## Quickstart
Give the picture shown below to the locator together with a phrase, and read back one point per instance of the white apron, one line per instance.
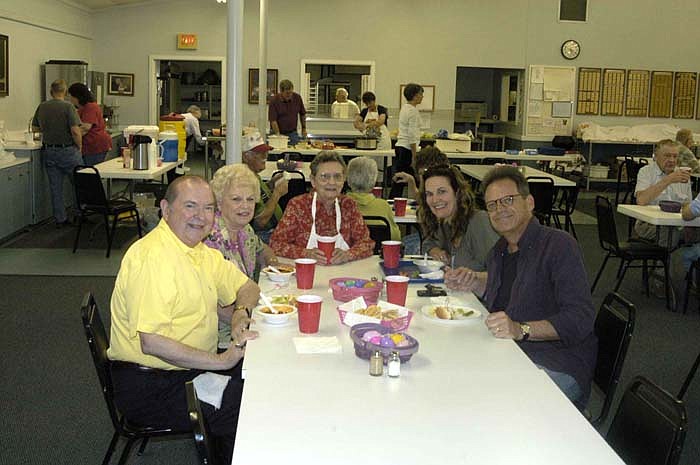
(384, 142)
(313, 237)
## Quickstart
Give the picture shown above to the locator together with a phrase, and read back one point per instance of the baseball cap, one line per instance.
(254, 142)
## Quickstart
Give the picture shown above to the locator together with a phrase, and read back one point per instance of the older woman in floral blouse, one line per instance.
(236, 189)
(323, 212)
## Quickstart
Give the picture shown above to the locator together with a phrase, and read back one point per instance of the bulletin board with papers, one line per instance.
(550, 87)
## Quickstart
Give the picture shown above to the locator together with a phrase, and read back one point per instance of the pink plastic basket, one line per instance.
(343, 291)
(397, 324)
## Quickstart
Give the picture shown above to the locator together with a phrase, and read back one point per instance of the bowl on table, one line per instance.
(285, 273)
(428, 266)
(284, 313)
(669, 206)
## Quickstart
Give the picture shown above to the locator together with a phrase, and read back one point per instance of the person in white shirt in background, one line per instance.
(408, 139)
(663, 180)
(194, 135)
(342, 107)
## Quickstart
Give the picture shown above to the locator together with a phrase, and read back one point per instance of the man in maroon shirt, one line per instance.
(285, 108)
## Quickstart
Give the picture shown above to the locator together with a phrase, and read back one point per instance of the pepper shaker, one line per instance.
(376, 364)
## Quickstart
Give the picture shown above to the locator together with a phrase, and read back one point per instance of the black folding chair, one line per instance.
(99, 342)
(632, 168)
(542, 190)
(296, 186)
(92, 200)
(379, 230)
(565, 204)
(201, 440)
(627, 252)
(614, 326)
(649, 426)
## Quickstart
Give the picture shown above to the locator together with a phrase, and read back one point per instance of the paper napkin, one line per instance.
(317, 345)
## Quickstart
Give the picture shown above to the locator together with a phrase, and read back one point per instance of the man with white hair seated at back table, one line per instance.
(342, 107)
(192, 131)
(661, 180)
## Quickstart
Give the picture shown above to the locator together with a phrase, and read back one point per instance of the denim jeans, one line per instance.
(568, 385)
(59, 162)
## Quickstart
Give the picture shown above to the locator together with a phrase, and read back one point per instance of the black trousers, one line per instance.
(402, 163)
(158, 398)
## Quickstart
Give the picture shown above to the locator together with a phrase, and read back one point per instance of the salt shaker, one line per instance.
(394, 365)
(376, 364)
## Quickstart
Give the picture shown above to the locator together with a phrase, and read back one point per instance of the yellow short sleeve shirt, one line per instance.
(165, 287)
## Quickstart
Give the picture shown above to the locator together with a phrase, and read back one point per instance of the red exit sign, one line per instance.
(187, 41)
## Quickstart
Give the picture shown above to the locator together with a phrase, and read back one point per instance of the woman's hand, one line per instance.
(340, 256)
(439, 254)
(317, 254)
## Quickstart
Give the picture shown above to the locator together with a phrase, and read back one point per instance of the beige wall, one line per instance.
(409, 40)
(38, 31)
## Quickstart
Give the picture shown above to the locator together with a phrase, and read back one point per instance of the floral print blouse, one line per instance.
(292, 233)
(245, 249)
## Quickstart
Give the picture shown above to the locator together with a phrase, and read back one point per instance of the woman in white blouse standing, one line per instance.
(409, 137)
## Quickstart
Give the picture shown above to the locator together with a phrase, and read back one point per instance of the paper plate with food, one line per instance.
(450, 314)
(359, 311)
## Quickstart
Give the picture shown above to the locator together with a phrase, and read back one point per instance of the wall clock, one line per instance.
(570, 49)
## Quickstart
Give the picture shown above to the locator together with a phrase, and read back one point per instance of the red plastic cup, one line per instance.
(392, 253)
(305, 268)
(396, 289)
(327, 246)
(378, 191)
(309, 307)
(400, 206)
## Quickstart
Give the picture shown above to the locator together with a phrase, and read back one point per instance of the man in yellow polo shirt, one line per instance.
(164, 317)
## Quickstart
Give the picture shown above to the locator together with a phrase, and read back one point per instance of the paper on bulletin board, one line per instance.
(537, 91)
(537, 74)
(534, 126)
(534, 108)
(425, 120)
(559, 81)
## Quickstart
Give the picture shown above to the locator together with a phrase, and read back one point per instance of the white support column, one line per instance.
(234, 72)
(262, 64)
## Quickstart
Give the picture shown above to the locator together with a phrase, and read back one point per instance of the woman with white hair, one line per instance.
(342, 107)
(362, 175)
(685, 156)
(236, 190)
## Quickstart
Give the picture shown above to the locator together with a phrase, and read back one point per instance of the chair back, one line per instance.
(607, 231)
(492, 160)
(379, 230)
(99, 343)
(650, 425)
(296, 186)
(614, 326)
(89, 190)
(542, 190)
(201, 440)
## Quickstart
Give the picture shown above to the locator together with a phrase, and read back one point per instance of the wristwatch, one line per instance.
(242, 307)
(525, 330)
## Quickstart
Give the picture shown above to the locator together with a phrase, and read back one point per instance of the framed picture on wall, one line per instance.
(254, 84)
(120, 84)
(428, 103)
(4, 66)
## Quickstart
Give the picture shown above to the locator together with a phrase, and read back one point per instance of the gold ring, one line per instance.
(239, 345)
(498, 329)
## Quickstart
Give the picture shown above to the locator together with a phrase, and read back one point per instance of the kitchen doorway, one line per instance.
(320, 78)
(177, 81)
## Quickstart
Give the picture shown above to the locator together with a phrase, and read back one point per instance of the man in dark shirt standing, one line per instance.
(285, 108)
(536, 288)
(59, 124)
